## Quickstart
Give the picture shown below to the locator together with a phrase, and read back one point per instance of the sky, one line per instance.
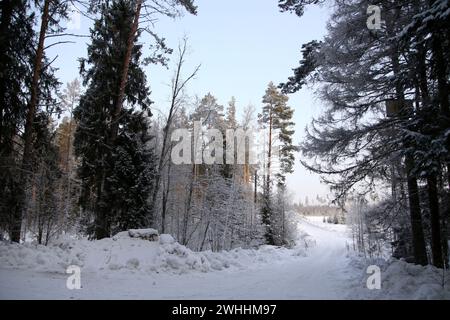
(241, 46)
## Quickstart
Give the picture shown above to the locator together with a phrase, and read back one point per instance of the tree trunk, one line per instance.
(418, 239)
(443, 93)
(68, 200)
(7, 12)
(266, 211)
(187, 209)
(163, 213)
(255, 193)
(123, 79)
(433, 198)
(28, 134)
(269, 153)
(166, 191)
(283, 222)
(102, 227)
(204, 237)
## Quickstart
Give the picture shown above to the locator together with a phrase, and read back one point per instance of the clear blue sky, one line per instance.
(242, 45)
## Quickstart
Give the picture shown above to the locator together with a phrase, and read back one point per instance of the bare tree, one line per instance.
(177, 98)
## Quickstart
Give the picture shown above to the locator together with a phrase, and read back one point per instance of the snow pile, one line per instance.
(145, 234)
(35, 257)
(402, 280)
(129, 252)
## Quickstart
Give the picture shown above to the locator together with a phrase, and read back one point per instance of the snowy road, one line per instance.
(322, 274)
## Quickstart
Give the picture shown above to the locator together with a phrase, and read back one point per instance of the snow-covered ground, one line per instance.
(319, 267)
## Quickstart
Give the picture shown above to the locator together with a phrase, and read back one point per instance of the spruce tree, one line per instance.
(16, 41)
(116, 173)
(24, 88)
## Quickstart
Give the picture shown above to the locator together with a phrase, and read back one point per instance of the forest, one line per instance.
(94, 157)
(88, 157)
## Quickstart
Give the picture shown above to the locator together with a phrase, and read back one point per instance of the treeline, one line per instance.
(386, 120)
(107, 166)
(328, 211)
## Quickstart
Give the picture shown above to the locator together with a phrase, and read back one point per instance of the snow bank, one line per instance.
(130, 252)
(402, 280)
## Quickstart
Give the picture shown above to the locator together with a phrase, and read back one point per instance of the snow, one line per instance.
(124, 267)
(143, 233)
(146, 234)
(132, 254)
(166, 239)
(402, 280)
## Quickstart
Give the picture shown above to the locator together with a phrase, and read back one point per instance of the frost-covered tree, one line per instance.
(177, 101)
(42, 206)
(207, 209)
(65, 132)
(382, 91)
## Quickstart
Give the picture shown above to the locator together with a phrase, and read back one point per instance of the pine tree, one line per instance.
(210, 112)
(116, 174)
(229, 169)
(231, 120)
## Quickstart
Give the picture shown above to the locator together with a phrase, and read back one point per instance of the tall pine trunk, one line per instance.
(124, 75)
(7, 14)
(269, 153)
(28, 133)
(187, 209)
(267, 211)
(441, 66)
